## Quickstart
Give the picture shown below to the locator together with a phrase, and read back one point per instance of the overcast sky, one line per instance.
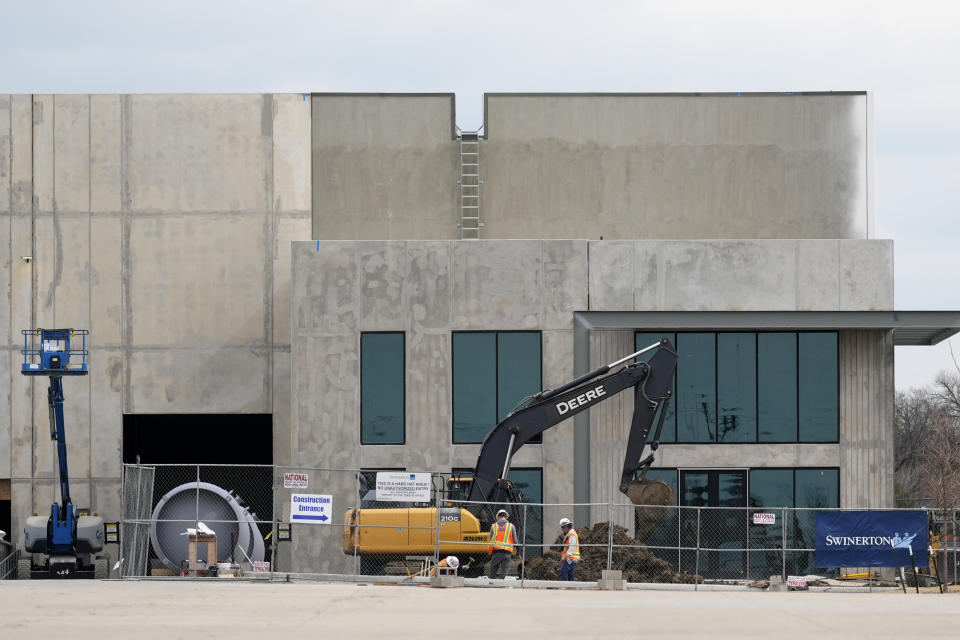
(906, 53)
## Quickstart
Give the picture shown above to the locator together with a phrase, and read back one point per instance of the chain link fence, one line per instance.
(330, 523)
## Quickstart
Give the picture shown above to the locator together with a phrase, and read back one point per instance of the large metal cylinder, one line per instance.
(238, 537)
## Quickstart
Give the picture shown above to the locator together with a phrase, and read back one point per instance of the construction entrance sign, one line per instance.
(311, 508)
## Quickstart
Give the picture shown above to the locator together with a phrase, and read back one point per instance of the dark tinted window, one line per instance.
(382, 388)
(817, 356)
(737, 387)
(777, 387)
(696, 387)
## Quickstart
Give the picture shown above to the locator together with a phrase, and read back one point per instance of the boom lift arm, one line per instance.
(653, 387)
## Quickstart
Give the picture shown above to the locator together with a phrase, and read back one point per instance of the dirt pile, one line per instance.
(635, 561)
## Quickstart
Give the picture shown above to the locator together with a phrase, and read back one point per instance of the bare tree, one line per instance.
(912, 411)
(939, 483)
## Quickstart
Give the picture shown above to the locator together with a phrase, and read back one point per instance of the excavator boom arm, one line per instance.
(653, 384)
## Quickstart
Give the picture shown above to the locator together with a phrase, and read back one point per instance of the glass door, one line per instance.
(722, 531)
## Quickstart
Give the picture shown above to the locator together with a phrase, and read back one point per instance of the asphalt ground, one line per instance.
(134, 610)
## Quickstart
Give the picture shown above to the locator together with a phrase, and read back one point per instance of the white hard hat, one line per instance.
(453, 562)
(503, 512)
(564, 522)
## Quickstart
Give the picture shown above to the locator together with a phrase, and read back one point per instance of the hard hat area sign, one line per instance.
(401, 486)
(311, 508)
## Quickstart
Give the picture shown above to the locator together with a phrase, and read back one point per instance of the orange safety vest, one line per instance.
(503, 539)
(572, 540)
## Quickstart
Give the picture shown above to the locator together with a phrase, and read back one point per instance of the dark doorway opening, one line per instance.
(198, 438)
(231, 451)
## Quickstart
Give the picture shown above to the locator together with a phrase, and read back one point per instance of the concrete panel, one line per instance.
(21, 419)
(429, 405)
(726, 275)
(291, 154)
(740, 456)
(6, 119)
(43, 152)
(381, 273)
(195, 380)
(326, 429)
(611, 271)
(21, 153)
(194, 153)
(818, 281)
(72, 281)
(21, 508)
(106, 411)
(427, 285)
(565, 284)
(71, 135)
(76, 419)
(680, 166)
(324, 290)
(197, 281)
(280, 405)
(288, 230)
(7, 373)
(106, 280)
(105, 154)
(105, 499)
(866, 269)
(557, 442)
(496, 284)
(866, 419)
(384, 167)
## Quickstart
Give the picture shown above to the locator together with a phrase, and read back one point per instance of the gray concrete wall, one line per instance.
(677, 166)
(162, 224)
(430, 288)
(385, 167)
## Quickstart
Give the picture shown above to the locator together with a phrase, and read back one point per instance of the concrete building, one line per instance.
(232, 255)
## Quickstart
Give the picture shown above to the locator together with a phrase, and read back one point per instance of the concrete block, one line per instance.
(611, 580)
(446, 581)
(381, 285)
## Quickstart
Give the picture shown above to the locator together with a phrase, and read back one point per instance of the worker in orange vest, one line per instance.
(571, 550)
(503, 541)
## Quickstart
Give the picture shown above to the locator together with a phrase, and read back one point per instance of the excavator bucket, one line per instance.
(654, 500)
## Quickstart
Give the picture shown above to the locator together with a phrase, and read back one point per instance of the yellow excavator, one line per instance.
(462, 520)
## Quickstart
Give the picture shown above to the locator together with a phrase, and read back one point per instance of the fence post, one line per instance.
(276, 521)
(609, 535)
(748, 542)
(355, 536)
(783, 544)
(696, 561)
(523, 548)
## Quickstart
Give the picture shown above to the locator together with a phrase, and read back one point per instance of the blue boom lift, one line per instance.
(65, 544)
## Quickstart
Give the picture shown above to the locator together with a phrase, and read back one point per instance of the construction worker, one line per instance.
(571, 550)
(451, 562)
(503, 541)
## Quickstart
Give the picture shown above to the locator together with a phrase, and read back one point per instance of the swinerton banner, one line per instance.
(871, 538)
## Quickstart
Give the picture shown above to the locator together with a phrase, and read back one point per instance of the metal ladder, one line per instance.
(470, 185)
